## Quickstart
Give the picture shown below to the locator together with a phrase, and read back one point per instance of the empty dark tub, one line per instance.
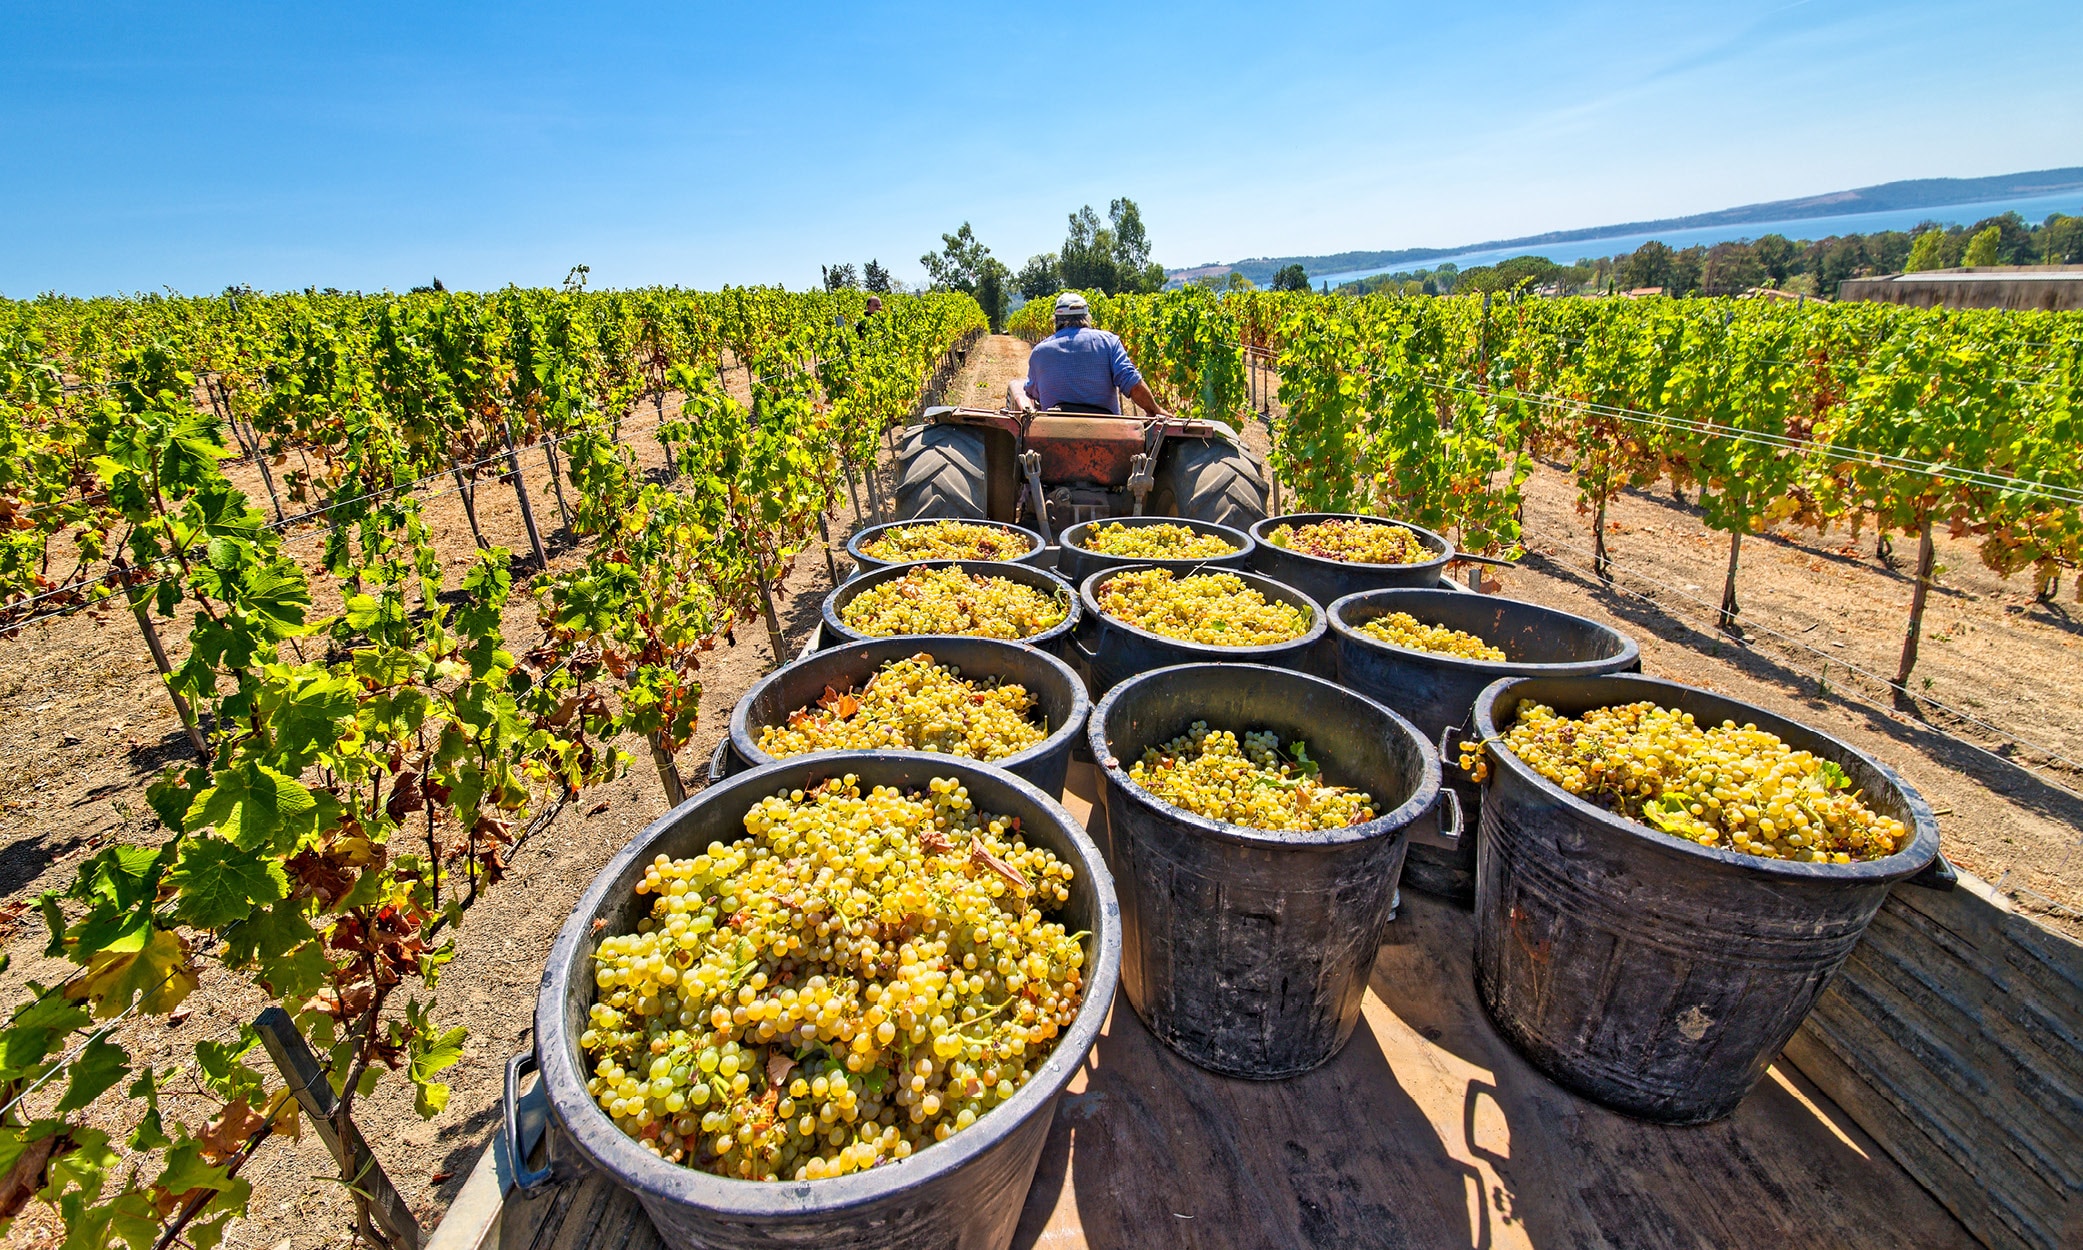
(1076, 563)
(1646, 972)
(1328, 580)
(1054, 639)
(1117, 650)
(1248, 951)
(964, 1192)
(1058, 694)
(1029, 545)
(1437, 692)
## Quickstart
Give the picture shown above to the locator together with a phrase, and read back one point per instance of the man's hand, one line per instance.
(1145, 400)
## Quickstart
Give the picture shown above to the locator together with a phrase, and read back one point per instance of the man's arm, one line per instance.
(1129, 380)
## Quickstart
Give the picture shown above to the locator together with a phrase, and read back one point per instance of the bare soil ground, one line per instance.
(88, 725)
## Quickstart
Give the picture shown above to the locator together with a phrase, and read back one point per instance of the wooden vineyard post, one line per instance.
(513, 461)
(852, 493)
(1601, 563)
(668, 772)
(278, 1033)
(775, 638)
(1926, 557)
(824, 532)
(166, 669)
(466, 490)
(549, 456)
(1729, 608)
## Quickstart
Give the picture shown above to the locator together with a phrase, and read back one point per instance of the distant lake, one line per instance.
(2034, 210)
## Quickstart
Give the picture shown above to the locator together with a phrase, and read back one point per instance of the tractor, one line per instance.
(1053, 469)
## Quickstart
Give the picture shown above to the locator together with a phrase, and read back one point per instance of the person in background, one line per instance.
(1078, 368)
(874, 307)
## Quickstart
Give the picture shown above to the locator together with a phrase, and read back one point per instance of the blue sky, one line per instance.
(375, 145)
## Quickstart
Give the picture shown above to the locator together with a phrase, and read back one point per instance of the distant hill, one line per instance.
(1908, 194)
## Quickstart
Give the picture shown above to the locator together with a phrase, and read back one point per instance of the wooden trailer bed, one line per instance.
(1427, 1130)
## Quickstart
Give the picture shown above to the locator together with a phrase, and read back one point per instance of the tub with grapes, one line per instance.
(1326, 580)
(1023, 545)
(1059, 696)
(1248, 950)
(1644, 971)
(1076, 562)
(966, 1191)
(1054, 639)
(1437, 692)
(1117, 650)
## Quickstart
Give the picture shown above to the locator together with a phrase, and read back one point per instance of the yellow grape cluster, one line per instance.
(1250, 783)
(954, 601)
(1163, 541)
(1217, 609)
(860, 976)
(913, 704)
(946, 540)
(1736, 787)
(1356, 542)
(1401, 629)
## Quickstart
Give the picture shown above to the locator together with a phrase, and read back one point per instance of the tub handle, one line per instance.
(529, 1181)
(1449, 813)
(1447, 756)
(719, 762)
(1936, 875)
(1091, 657)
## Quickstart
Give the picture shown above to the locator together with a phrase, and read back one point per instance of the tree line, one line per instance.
(1815, 267)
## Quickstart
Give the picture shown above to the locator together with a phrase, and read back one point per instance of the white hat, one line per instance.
(1071, 304)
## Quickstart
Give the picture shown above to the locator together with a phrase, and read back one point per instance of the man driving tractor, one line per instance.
(1078, 368)
(1061, 451)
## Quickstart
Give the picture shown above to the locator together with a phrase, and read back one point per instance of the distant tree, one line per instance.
(1647, 265)
(1291, 278)
(994, 291)
(1038, 278)
(1238, 282)
(1983, 249)
(1429, 285)
(959, 262)
(1112, 255)
(1134, 271)
(2015, 244)
(1776, 254)
(1524, 271)
(2061, 240)
(1731, 269)
(841, 277)
(1448, 277)
(1927, 252)
(1086, 261)
(875, 278)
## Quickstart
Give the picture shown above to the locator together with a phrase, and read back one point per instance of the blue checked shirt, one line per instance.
(1080, 365)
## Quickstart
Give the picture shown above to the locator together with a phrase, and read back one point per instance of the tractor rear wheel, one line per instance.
(940, 474)
(1209, 479)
